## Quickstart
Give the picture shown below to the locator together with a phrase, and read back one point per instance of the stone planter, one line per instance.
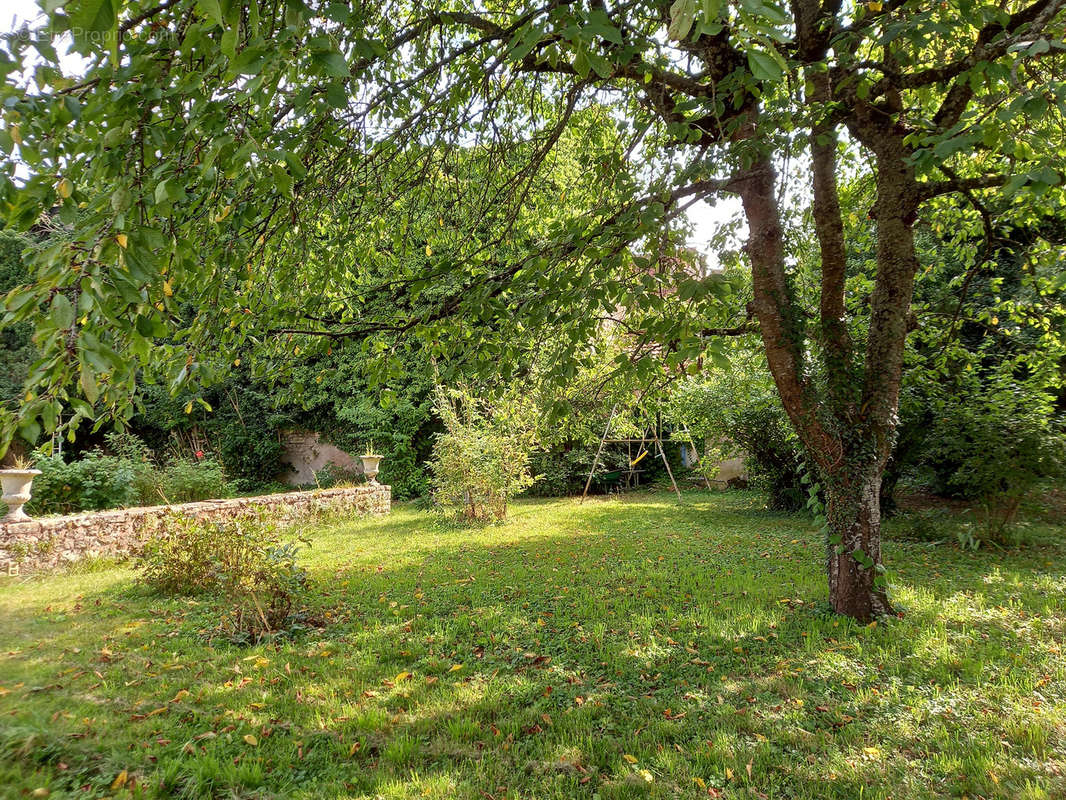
(16, 485)
(370, 467)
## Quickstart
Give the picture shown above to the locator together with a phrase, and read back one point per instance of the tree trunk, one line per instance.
(853, 511)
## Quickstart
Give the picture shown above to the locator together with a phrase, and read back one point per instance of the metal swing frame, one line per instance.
(644, 442)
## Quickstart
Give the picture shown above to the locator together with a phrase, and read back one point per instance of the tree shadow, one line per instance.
(691, 637)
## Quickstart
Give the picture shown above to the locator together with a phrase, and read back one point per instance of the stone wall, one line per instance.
(50, 542)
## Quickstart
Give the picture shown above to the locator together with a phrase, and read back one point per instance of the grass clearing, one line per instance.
(627, 647)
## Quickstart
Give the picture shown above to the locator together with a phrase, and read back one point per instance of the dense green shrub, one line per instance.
(331, 476)
(244, 561)
(94, 482)
(251, 459)
(481, 459)
(561, 473)
(17, 351)
(192, 480)
(122, 477)
(1000, 442)
(242, 431)
(146, 480)
(740, 414)
(340, 400)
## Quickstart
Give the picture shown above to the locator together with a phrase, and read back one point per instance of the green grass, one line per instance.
(625, 648)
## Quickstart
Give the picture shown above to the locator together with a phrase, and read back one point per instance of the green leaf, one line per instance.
(88, 383)
(96, 16)
(711, 9)
(581, 62)
(336, 94)
(211, 9)
(29, 430)
(764, 66)
(682, 15)
(62, 312)
(332, 64)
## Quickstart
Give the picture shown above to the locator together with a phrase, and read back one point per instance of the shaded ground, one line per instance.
(629, 647)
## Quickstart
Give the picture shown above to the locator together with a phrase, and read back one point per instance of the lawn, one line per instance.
(629, 647)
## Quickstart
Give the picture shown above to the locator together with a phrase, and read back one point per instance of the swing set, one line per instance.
(650, 437)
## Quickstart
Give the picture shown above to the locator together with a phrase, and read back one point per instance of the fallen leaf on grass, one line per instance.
(251, 740)
(629, 758)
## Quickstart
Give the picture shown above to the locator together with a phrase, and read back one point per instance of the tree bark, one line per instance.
(780, 321)
(853, 511)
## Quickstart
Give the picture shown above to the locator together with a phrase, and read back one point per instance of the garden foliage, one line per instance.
(244, 561)
(481, 458)
(738, 413)
(124, 475)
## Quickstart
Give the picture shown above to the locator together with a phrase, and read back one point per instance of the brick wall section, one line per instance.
(49, 542)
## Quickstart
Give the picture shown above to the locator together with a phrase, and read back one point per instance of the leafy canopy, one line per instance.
(251, 181)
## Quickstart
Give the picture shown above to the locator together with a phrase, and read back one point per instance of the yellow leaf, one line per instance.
(251, 740)
(188, 407)
(353, 749)
(122, 240)
(456, 667)
(873, 752)
(221, 215)
(429, 250)
(64, 188)
(401, 677)
(180, 696)
(16, 134)
(168, 288)
(158, 711)
(728, 774)
(120, 780)
(629, 758)
(647, 776)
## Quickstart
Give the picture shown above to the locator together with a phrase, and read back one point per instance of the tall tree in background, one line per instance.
(196, 155)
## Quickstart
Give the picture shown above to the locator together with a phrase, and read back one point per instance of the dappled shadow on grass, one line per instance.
(538, 655)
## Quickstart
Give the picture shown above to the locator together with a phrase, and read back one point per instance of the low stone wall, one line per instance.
(50, 542)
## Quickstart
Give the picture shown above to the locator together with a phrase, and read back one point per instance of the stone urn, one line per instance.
(370, 467)
(16, 484)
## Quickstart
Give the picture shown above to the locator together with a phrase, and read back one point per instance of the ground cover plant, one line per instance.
(626, 647)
